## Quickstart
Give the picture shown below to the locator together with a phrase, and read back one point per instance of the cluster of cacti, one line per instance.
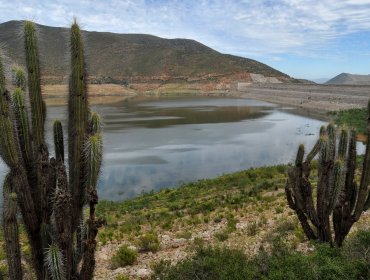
(50, 202)
(340, 197)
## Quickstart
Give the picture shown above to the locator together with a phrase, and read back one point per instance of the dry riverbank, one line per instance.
(324, 98)
(310, 97)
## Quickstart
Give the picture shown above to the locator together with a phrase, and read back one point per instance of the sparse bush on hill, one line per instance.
(148, 242)
(123, 257)
(282, 263)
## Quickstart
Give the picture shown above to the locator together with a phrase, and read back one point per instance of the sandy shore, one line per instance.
(322, 98)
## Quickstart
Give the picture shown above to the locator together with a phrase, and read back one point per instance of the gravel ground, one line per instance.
(322, 98)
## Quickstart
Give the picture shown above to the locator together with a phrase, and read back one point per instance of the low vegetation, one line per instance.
(179, 210)
(356, 118)
(281, 262)
(123, 257)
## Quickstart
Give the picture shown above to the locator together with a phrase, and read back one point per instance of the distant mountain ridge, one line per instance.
(135, 58)
(349, 79)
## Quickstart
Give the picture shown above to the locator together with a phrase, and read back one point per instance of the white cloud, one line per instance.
(241, 27)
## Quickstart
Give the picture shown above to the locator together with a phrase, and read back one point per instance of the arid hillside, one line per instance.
(142, 62)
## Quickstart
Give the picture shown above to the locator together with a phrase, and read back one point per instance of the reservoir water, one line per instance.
(154, 143)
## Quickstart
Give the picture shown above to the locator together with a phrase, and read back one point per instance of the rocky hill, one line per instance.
(349, 79)
(142, 61)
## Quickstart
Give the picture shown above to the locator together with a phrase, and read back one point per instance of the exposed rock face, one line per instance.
(259, 78)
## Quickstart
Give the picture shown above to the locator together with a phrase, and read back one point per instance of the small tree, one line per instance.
(50, 202)
(340, 200)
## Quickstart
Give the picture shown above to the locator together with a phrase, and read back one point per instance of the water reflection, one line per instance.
(159, 142)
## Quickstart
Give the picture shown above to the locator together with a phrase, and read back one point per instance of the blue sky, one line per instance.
(303, 38)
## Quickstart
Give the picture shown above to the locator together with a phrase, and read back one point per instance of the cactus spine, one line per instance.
(37, 180)
(337, 197)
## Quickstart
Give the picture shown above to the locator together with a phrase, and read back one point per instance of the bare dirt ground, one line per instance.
(257, 224)
(323, 98)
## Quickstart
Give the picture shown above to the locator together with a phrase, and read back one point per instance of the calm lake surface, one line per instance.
(154, 143)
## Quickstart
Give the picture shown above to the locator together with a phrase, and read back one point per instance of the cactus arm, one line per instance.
(78, 114)
(331, 134)
(93, 156)
(19, 78)
(54, 262)
(8, 142)
(363, 198)
(95, 124)
(343, 143)
(338, 184)
(58, 140)
(296, 188)
(11, 231)
(34, 86)
(62, 209)
(29, 214)
(325, 165)
(23, 128)
(316, 148)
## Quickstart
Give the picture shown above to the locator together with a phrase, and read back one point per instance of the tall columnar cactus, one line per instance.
(51, 204)
(340, 198)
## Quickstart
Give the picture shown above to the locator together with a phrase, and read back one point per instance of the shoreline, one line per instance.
(312, 98)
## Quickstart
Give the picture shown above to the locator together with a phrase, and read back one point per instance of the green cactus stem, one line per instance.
(23, 129)
(54, 262)
(18, 77)
(58, 140)
(34, 85)
(62, 203)
(95, 123)
(93, 157)
(343, 143)
(78, 117)
(8, 142)
(11, 232)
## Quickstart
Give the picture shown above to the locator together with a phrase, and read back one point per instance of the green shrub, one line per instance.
(208, 264)
(252, 229)
(148, 242)
(222, 235)
(218, 219)
(324, 263)
(184, 234)
(123, 257)
(122, 277)
(231, 223)
(356, 118)
(358, 247)
(279, 209)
